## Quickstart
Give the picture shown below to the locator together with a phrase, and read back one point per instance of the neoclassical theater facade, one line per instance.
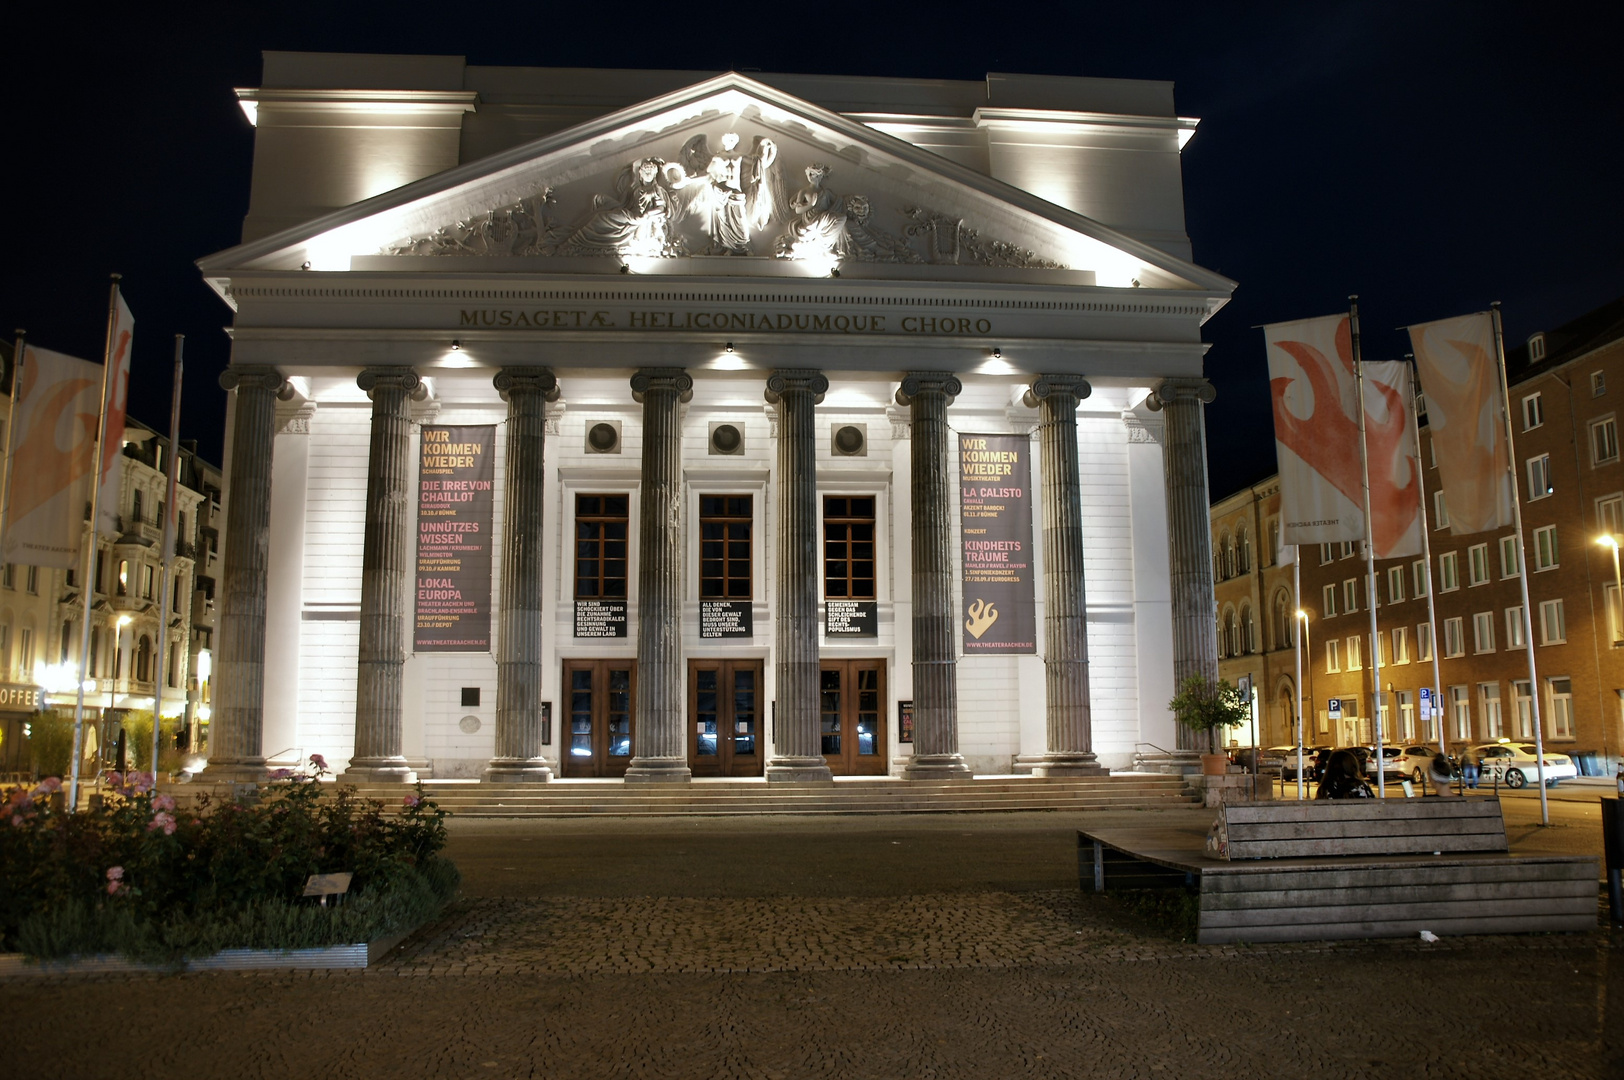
(661, 425)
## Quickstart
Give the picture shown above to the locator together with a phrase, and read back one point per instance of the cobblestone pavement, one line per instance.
(1011, 972)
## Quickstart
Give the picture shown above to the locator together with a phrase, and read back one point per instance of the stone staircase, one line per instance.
(879, 795)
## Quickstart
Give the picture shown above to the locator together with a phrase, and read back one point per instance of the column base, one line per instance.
(252, 770)
(517, 771)
(937, 767)
(799, 770)
(1178, 762)
(378, 770)
(658, 770)
(1084, 764)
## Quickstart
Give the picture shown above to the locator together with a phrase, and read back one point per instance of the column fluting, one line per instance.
(1195, 604)
(236, 738)
(1069, 736)
(797, 737)
(519, 620)
(659, 733)
(385, 569)
(927, 394)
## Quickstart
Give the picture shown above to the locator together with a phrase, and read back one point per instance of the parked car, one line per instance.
(1392, 765)
(1288, 767)
(1415, 760)
(1515, 764)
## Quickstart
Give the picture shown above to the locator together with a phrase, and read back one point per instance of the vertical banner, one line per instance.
(55, 448)
(1395, 474)
(1460, 376)
(995, 537)
(119, 344)
(1316, 429)
(456, 500)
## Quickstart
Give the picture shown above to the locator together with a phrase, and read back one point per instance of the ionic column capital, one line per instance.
(662, 378)
(264, 379)
(1045, 387)
(528, 380)
(928, 382)
(392, 378)
(1172, 391)
(791, 380)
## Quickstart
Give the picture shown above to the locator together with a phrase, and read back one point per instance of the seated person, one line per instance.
(1442, 775)
(1342, 779)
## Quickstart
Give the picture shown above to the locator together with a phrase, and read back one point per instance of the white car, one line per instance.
(1516, 763)
(1415, 761)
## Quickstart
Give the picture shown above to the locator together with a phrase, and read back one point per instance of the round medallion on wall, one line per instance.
(470, 724)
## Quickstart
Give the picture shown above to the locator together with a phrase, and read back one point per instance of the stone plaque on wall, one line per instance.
(726, 619)
(600, 618)
(851, 618)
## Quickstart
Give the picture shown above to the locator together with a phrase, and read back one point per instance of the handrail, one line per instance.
(1153, 746)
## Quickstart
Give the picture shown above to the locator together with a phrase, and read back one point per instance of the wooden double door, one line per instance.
(599, 696)
(852, 720)
(725, 732)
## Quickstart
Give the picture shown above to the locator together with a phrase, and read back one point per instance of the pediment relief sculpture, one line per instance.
(720, 201)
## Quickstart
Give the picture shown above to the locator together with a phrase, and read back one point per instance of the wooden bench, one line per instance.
(1351, 869)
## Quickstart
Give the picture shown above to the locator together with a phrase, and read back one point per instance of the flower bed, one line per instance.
(142, 877)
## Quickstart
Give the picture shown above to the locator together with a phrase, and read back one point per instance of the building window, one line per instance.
(1355, 660)
(1553, 625)
(1423, 643)
(67, 642)
(1325, 554)
(1604, 441)
(8, 576)
(146, 582)
(1248, 630)
(1226, 635)
(100, 583)
(1477, 564)
(848, 547)
(1274, 541)
(1598, 383)
(724, 547)
(1610, 514)
(1536, 348)
(5, 646)
(1514, 628)
(1533, 412)
(1350, 548)
(31, 580)
(1401, 644)
(1540, 482)
(1560, 690)
(1483, 632)
(1432, 453)
(135, 505)
(1546, 556)
(1509, 564)
(25, 653)
(1419, 578)
(1406, 715)
(1329, 601)
(1522, 707)
(1488, 700)
(601, 546)
(1243, 548)
(1448, 571)
(1454, 637)
(123, 577)
(1332, 660)
(1395, 584)
(1350, 596)
(1461, 706)
(1283, 619)
(1440, 511)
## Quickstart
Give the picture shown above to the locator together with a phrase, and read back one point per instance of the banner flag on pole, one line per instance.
(55, 450)
(1316, 430)
(1395, 474)
(1459, 375)
(119, 344)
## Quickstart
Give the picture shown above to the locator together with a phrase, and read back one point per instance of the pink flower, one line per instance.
(115, 779)
(53, 784)
(319, 762)
(16, 821)
(410, 801)
(280, 774)
(166, 822)
(112, 888)
(115, 873)
(163, 802)
(141, 781)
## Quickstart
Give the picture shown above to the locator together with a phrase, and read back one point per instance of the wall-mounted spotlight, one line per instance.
(304, 265)
(624, 269)
(997, 353)
(728, 347)
(835, 272)
(456, 346)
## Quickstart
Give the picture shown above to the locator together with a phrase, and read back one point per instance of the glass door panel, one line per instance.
(852, 721)
(724, 711)
(602, 694)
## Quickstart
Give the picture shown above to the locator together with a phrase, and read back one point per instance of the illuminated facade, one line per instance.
(618, 423)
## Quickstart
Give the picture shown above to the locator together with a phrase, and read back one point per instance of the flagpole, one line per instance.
(11, 437)
(90, 548)
(160, 675)
(1426, 554)
(1297, 636)
(1522, 555)
(1370, 551)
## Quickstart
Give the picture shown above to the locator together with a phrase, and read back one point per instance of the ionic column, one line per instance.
(519, 620)
(236, 738)
(1195, 605)
(659, 732)
(1069, 736)
(797, 737)
(936, 725)
(385, 570)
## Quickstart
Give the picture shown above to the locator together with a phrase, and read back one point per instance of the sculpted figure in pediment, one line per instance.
(733, 192)
(828, 225)
(636, 220)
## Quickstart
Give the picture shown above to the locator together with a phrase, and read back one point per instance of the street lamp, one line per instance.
(1616, 614)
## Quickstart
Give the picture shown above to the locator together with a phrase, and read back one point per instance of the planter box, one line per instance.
(13, 965)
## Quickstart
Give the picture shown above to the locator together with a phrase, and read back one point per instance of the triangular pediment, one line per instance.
(728, 176)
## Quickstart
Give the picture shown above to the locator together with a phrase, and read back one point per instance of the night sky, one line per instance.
(1431, 157)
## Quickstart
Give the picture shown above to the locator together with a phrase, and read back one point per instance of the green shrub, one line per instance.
(139, 876)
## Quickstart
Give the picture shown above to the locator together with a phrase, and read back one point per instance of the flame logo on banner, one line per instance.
(982, 616)
(33, 488)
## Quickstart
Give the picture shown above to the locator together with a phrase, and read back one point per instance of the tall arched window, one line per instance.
(1226, 639)
(1225, 552)
(1282, 620)
(1248, 630)
(1243, 551)
(143, 659)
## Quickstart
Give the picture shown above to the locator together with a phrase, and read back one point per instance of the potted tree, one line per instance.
(1206, 705)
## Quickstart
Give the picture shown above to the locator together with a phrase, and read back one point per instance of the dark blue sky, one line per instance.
(1431, 157)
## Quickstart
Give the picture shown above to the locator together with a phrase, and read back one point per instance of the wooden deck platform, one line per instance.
(1312, 898)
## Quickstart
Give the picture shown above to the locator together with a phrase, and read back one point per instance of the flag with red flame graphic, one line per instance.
(54, 456)
(119, 344)
(1316, 430)
(1460, 375)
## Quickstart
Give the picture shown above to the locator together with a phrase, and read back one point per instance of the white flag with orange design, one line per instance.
(54, 448)
(119, 344)
(1461, 378)
(1395, 474)
(1316, 430)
